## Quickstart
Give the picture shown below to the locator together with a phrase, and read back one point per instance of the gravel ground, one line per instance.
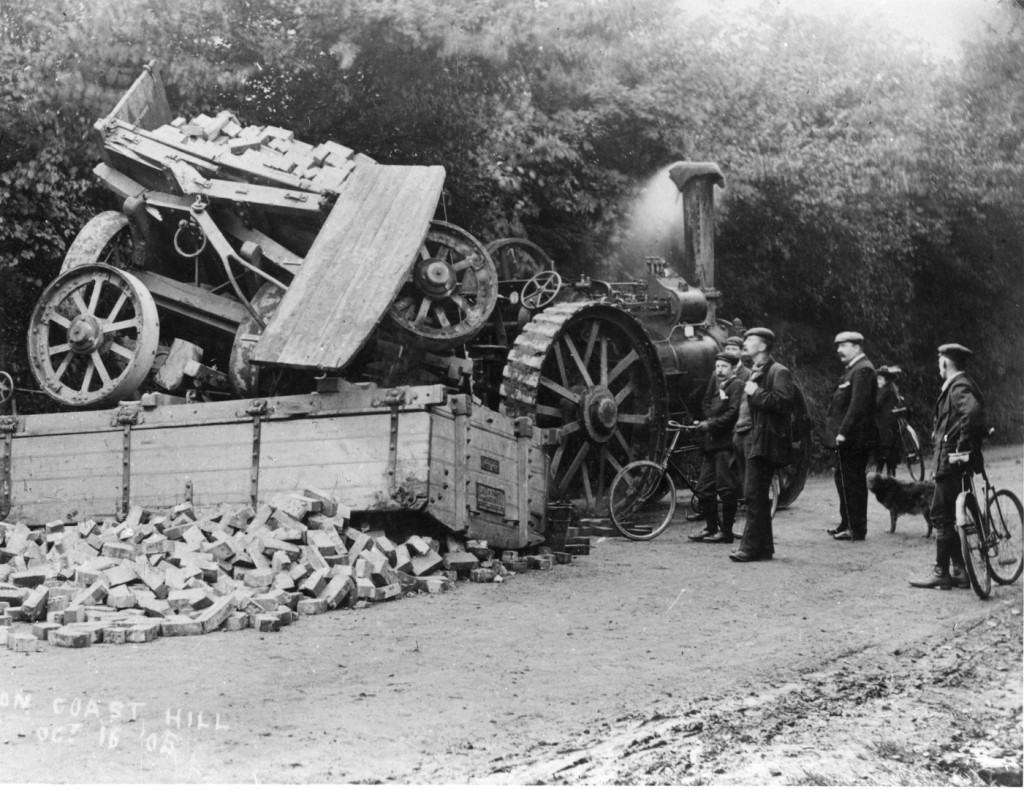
(640, 663)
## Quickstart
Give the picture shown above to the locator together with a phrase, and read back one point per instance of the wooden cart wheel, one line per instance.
(106, 238)
(93, 336)
(242, 373)
(517, 259)
(451, 291)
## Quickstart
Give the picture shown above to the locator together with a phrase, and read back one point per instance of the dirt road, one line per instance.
(641, 663)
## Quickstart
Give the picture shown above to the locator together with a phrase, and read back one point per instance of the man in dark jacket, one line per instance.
(959, 428)
(769, 397)
(718, 477)
(850, 431)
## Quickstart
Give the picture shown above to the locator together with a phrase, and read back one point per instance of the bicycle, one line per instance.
(910, 444)
(991, 544)
(643, 496)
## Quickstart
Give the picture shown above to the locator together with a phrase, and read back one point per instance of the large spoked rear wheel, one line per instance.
(975, 554)
(912, 454)
(642, 500)
(1005, 517)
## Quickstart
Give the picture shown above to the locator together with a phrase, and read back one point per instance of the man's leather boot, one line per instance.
(708, 506)
(728, 519)
(939, 579)
(958, 575)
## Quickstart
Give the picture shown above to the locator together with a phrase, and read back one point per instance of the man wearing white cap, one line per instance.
(851, 431)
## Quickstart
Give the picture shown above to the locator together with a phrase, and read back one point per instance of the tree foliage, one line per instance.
(869, 185)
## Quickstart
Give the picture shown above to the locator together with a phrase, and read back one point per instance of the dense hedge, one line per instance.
(869, 185)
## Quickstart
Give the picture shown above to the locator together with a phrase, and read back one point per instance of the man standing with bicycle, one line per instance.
(768, 399)
(850, 431)
(718, 476)
(959, 428)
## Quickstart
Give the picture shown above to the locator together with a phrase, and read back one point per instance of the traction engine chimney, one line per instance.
(696, 182)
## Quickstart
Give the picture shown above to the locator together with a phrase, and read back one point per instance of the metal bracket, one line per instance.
(127, 415)
(257, 409)
(392, 398)
(8, 427)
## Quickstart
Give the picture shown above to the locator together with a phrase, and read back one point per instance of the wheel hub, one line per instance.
(84, 334)
(436, 279)
(600, 413)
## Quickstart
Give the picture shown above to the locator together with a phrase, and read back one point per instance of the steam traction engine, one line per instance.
(246, 264)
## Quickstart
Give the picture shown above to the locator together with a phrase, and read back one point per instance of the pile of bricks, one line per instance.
(176, 573)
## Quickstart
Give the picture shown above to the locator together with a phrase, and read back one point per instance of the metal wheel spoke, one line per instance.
(549, 410)
(80, 304)
(117, 306)
(570, 427)
(560, 361)
(60, 320)
(462, 304)
(606, 455)
(441, 317)
(87, 378)
(575, 354)
(594, 329)
(621, 367)
(556, 460)
(588, 489)
(577, 461)
(624, 444)
(131, 323)
(604, 361)
(121, 350)
(63, 366)
(101, 368)
(558, 389)
(53, 350)
(465, 263)
(421, 313)
(94, 299)
(634, 419)
(625, 392)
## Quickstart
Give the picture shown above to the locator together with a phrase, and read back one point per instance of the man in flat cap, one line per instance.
(734, 344)
(768, 397)
(959, 428)
(718, 476)
(850, 430)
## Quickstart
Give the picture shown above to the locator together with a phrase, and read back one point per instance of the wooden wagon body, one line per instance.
(401, 450)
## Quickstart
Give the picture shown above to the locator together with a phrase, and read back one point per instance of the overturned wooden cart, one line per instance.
(243, 265)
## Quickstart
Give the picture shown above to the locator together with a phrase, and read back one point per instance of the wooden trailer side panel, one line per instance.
(210, 463)
(350, 457)
(53, 476)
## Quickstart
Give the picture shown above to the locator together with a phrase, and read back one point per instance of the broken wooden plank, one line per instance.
(357, 264)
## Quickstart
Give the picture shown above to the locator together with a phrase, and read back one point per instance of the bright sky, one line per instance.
(942, 24)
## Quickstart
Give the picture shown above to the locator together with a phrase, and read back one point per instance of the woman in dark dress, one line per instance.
(887, 454)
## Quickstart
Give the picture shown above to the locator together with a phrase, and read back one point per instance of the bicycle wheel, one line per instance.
(1005, 517)
(642, 500)
(975, 554)
(912, 454)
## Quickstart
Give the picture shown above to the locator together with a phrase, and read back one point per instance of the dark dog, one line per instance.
(902, 498)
